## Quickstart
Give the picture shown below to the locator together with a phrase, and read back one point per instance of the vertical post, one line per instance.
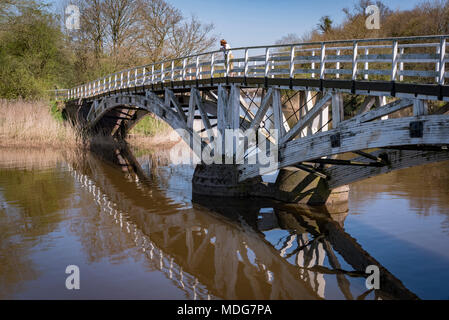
(227, 64)
(184, 64)
(394, 62)
(322, 61)
(115, 81)
(338, 63)
(246, 63)
(109, 83)
(401, 65)
(420, 107)
(162, 72)
(172, 77)
(366, 64)
(128, 80)
(278, 115)
(337, 109)
(197, 66)
(144, 75)
(442, 61)
(354, 60)
(292, 62)
(313, 64)
(121, 80)
(152, 73)
(136, 75)
(267, 62)
(212, 65)
(221, 117)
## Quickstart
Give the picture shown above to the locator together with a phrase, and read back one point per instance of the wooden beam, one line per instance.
(302, 123)
(380, 112)
(170, 97)
(277, 112)
(338, 162)
(363, 136)
(204, 116)
(367, 105)
(192, 109)
(262, 109)
(337, 109)
(420, 107)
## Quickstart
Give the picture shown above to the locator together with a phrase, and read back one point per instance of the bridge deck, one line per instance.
(397, 66)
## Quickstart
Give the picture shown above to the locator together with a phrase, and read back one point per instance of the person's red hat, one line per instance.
(223, 41)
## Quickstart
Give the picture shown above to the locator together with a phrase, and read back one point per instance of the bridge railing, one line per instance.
(410, 59)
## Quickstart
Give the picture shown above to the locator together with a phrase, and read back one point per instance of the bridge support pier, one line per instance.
(293, 185)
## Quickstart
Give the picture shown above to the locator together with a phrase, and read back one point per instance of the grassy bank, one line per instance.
(38, 124)
(151, 131)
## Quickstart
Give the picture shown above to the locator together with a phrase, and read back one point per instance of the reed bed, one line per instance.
(31, 124)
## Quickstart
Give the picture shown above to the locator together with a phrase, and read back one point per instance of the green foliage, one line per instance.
(56, 111)
(32, 55)
(150, 126)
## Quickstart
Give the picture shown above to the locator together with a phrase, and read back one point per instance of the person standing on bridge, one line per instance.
(228, 56)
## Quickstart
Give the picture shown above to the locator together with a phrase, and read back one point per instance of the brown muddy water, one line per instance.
(127, 220)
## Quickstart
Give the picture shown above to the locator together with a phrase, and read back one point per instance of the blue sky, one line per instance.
(260, 22)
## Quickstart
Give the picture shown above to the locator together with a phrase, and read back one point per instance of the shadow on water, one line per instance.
(218, 248)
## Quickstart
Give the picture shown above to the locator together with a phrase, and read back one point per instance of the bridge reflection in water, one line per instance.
(244, 249)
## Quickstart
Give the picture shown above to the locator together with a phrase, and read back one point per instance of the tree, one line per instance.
(166, 34)
(33, 57)
(325, 24)
(121, 20)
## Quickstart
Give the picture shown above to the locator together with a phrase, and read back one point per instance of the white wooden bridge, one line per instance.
(396, 87)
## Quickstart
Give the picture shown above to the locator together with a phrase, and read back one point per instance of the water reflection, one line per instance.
(217, 248)
(30, 206)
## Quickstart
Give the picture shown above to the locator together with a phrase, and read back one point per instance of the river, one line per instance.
(126, 219)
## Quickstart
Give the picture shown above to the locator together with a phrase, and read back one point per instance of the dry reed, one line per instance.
(31, 124)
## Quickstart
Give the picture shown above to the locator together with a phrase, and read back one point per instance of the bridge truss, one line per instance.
(302, 91)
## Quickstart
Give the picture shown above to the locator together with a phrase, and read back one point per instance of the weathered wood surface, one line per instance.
(376, 134)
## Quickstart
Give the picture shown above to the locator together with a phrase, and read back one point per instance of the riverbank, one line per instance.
(34, 124)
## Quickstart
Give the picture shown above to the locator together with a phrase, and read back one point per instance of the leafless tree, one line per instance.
(121, 21)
